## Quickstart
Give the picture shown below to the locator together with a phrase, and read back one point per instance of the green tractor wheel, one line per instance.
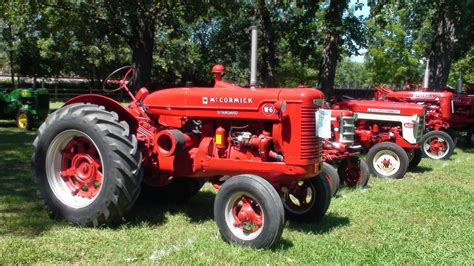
(24, 120)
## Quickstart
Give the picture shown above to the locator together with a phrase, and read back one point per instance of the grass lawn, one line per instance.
(428, 218)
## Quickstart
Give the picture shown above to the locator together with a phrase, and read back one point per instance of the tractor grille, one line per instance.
(310, 144)
(346, 129)
(420, 128)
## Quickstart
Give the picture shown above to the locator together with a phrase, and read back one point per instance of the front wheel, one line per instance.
(354, 172)
(24, 120)
(307, 200)
(331, 175)
(437, 145)
(249, 212)
(87, 165)
(470, 137)
(414, 156)
(388, 160)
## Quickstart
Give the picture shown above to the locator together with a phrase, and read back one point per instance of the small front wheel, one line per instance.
(24, 120)
(470, 137)
(331, 175)
(307, 200)
(388, 160)
(354, 172)
(437, 145)
(249, 212)
(414, 156)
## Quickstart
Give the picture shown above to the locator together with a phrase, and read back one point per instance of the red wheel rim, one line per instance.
(351, 172)
(437, 146)
(81, 168)
(248, 214)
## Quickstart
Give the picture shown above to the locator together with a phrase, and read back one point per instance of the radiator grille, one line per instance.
(310, 144)
(346, 129)
(420, 128)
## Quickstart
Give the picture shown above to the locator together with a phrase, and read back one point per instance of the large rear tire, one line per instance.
(387, 160)
(249, 212)
(437, 145)
(308, 200)
(87, 165)
(354, 172)
(331, 175)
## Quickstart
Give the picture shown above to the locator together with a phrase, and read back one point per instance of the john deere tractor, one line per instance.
(29, 107)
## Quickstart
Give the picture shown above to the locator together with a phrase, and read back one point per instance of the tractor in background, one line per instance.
(28, 107)
(390, 132)
(463, 115)
(342, 164)
(437, 142)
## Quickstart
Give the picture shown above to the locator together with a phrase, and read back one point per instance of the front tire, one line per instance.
(414, 157)
(87, 165)
(249, 212)
(331, 175)
(470, 137)
(24, 120)
(307, 200)
(354, 172)
(387, 160)
(437, 145)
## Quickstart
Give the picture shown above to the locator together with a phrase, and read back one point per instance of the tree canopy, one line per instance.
(300, 42)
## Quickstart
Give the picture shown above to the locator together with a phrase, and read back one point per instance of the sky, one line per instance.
(364, 12)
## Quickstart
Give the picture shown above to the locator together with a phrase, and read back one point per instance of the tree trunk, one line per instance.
(327, 70)
(268, 38)
(442, 51)
(141, 44)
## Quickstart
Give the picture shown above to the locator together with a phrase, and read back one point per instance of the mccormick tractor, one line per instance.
(437, 142)
(339, 150)
(259, 145)
(28, 107)
(390, 131)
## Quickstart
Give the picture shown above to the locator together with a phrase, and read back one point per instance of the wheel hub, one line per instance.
(247, 215)
(300, 197)
(81, 168)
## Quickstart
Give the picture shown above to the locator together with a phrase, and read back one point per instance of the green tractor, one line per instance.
(29, 107)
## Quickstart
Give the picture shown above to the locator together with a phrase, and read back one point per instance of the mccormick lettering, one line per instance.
(243, 100)
(387, 111)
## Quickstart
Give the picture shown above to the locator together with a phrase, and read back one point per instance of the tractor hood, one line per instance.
(418, 95)
(381, 107)
(226, 100)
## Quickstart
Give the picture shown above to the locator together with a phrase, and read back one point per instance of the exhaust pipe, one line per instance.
(459, 83)
(426, 77)
(253, 57)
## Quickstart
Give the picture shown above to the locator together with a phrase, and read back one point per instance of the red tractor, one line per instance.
(463, 115)
(437, 142)
(339, 151)
(92, 156)
(389, 131)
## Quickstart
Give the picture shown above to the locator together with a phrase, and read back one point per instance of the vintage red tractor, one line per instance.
(391, 133)
(437, 142)
(339, 151)
(463, 115)
(92, 155)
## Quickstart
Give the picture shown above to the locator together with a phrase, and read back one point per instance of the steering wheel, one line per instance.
(127, 78)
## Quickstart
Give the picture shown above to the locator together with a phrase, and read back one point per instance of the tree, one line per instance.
(333, 20)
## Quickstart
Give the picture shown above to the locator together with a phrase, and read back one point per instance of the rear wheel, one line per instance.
(414, 156)
(388, 160)
(331, 175)
(87, 165)
(249, 212)
(437, 145)
(24, 120)
(307, 200)
(353, 171)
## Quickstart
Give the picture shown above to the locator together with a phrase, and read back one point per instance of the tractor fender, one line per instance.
(110, 105)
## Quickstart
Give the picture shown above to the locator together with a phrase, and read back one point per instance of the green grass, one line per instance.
(425, 218)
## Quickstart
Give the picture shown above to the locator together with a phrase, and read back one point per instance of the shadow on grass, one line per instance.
(21, 211)
(328, 223)
(420, 169)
